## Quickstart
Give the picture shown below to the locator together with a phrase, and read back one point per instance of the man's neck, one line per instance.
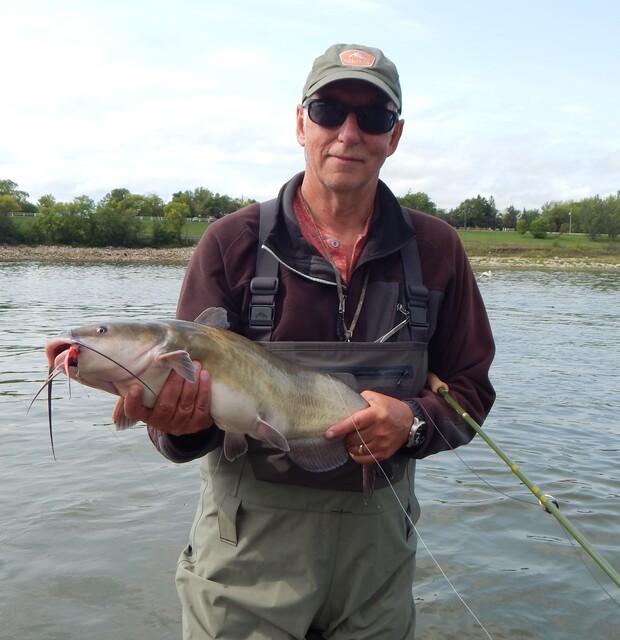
(343, 213)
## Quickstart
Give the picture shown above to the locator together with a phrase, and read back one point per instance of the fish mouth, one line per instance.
(55, 352)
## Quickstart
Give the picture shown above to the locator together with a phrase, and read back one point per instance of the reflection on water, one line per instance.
(90, 541)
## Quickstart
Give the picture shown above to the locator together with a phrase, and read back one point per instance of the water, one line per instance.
(89, 543)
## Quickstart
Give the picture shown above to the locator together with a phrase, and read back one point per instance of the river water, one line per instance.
(89, 542)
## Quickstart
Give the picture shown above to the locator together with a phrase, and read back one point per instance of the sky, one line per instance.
(515, 100)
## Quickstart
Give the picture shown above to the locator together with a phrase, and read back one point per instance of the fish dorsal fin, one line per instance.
(181, 363)
(215, 317)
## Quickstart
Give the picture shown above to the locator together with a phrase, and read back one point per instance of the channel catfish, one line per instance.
(254, 392)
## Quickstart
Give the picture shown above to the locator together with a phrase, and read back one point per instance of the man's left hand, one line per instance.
(381, 429)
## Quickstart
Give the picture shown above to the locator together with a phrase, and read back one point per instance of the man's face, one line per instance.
(344, 158)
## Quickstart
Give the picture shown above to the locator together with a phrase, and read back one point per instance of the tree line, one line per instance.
(116, 219)
(595, 216)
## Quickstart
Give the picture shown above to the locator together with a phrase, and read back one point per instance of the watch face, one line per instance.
(420, 436)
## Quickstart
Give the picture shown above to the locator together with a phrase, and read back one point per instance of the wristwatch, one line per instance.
(419, 429)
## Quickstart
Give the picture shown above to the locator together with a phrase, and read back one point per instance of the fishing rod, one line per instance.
(546, 501)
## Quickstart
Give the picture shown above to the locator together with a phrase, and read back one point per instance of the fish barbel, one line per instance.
(254, 392)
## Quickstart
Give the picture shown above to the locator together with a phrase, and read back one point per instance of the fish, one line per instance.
(254, 393)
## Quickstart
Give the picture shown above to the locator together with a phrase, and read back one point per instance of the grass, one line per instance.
(511, 243)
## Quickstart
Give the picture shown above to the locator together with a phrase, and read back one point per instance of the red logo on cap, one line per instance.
(357, 58)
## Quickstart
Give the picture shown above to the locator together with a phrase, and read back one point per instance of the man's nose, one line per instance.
(349, 129)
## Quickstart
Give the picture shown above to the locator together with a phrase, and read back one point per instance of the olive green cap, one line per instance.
(354, 62)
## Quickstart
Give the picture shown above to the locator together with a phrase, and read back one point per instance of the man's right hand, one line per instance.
(181, 407)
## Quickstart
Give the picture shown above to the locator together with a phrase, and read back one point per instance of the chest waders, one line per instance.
(397, 368)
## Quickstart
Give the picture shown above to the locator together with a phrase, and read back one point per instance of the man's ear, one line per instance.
(300, 129)
(397, 132)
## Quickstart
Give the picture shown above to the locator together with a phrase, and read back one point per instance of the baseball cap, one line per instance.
(354, 62)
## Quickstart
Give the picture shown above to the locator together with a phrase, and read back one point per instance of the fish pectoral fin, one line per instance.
(181, 363)
(318, 454)
(267, 433)
(121, 421)
(235, 445)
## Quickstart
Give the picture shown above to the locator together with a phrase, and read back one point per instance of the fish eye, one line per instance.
(102, 329)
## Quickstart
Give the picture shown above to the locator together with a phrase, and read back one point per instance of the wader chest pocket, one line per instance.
(397, 369)
(393, 381)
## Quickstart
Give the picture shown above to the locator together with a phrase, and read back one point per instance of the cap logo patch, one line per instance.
(356, 58)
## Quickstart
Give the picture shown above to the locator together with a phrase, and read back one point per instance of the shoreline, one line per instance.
(181, 256)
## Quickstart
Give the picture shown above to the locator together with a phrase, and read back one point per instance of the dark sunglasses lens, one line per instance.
(327, 114)
(373, 120)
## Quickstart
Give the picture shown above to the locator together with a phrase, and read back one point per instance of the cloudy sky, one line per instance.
(519, 101)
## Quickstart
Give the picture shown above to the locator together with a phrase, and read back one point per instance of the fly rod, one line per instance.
(547, 502)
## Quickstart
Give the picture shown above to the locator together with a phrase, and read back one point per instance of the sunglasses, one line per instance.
(331, 113)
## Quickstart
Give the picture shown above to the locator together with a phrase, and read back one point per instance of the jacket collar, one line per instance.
(388, 234)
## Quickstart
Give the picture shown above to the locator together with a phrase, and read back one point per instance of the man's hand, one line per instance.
(181, 408)
(381, 429)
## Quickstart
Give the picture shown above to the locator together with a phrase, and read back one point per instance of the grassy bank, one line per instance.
(486, 249)
(511, 243)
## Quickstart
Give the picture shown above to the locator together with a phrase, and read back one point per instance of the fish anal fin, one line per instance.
(215, 317)
(181, 363)
(235, 445)
(318, 454)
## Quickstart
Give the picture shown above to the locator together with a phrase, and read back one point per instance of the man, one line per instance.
(277, 552)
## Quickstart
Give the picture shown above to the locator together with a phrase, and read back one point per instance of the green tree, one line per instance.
(558, 215)
(420, 201)
(64, 223)
(539, 228)
(203, 203)
(9, 232)
(168, 231)
(526, 217)
(115, 223)
(151, 206)
(611, 212)
(509, 217)
(199, 201)
(593, 217)
(10, 188)
(476, 212)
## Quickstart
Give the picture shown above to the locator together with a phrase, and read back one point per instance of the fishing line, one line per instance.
(546, 501)
(473, 471)
(409, 519)
(528, 502)
(412, 523)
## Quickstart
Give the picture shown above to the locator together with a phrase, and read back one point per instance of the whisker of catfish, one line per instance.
(49, 413)
(53, 373)
(118, 364)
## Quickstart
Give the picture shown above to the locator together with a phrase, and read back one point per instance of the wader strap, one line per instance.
(415, 291)
(264, 285)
